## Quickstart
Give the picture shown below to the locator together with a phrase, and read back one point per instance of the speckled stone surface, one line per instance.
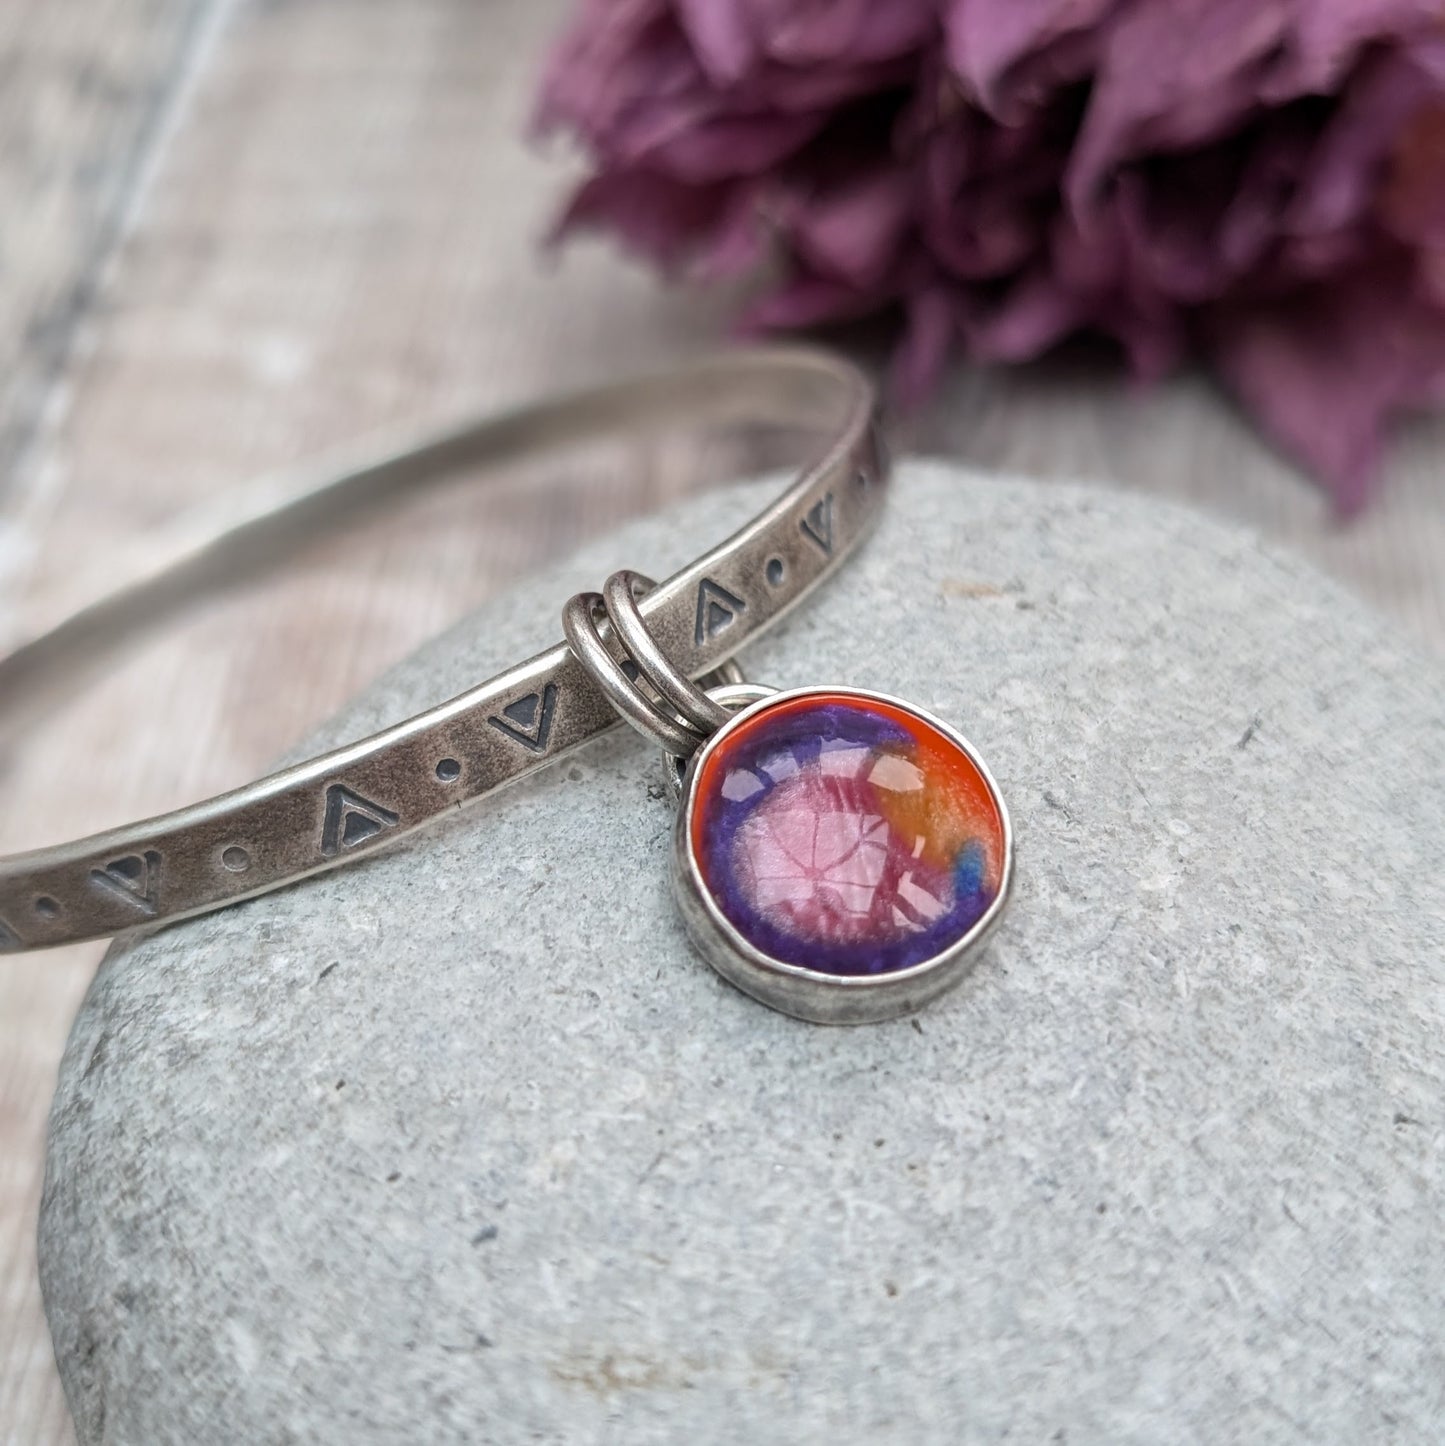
(464, 1145)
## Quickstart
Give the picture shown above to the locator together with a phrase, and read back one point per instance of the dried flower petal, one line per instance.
(988, 39)
(1325, 370)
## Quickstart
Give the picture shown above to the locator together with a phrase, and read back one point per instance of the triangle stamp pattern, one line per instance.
(528, 721)
(818, 524)
(136, 878)
(351, 820)
(9, 939)
(717, 609)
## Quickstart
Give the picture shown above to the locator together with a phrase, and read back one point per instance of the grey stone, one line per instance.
(464, 1145)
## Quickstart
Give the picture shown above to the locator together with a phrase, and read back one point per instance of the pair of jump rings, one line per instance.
(683, 714)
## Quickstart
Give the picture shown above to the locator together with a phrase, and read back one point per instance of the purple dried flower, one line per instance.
(1260, 183)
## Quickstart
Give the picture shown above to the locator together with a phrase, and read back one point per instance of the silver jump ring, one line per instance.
(620, 593)
(679, 735)
(579, 622)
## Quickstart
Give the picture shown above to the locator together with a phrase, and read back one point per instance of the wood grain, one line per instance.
(324, 227)
(85, 90)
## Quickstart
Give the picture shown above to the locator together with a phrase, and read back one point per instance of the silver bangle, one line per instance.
(634, 650)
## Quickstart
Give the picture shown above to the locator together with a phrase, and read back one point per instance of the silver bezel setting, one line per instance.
(806, 993)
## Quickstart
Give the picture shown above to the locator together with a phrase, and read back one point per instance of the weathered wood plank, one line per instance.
(84, 92)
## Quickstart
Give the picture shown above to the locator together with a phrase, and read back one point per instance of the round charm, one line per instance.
(838, 854)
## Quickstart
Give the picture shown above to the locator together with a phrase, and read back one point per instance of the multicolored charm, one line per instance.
(839, 854)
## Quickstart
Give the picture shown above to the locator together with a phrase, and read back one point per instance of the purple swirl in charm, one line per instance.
(846, 835)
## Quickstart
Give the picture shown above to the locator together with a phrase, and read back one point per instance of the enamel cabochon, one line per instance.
(839, 854)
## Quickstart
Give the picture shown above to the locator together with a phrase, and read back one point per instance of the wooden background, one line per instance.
(235, 235)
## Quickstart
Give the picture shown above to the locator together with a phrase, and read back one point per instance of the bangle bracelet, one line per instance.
(837, 853)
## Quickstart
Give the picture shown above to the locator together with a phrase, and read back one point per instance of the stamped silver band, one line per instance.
(342, 805)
